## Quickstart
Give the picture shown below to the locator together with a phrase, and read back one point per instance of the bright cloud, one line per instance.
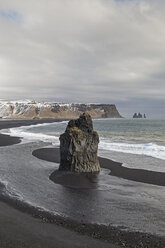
(89, 51)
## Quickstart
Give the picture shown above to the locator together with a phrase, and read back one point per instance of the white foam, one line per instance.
(27, 135)
(4, 183)
(149, 149)
(34, 136)
(8, 190)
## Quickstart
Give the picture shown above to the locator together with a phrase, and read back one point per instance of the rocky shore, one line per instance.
(123, 238)
(25, 226)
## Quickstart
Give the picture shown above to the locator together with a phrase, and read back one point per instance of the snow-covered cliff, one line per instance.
(31, 109)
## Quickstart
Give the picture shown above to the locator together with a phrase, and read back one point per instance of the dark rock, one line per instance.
(110, 111)
(139, 115)
(79, 146)
(99, 110)
(135, 115)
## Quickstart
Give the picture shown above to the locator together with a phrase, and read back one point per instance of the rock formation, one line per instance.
(135, 115)
(37, 110)
(139, 115)
(79, 146)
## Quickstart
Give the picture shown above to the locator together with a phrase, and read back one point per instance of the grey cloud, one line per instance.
(93, 50)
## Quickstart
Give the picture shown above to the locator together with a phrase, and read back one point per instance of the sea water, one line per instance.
(132, 205)
(143, 137)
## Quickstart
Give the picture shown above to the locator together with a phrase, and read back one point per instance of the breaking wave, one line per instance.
(36, 132)
(26, 133)
(149, 149)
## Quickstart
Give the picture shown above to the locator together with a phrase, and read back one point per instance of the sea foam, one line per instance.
(148, 149)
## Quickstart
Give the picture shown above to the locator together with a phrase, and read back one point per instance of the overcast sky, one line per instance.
(108, 51)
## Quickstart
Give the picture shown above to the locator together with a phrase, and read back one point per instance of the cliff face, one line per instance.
(33, 109)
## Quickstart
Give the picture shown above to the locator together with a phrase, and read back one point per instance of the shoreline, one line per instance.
(116, 168)
(24, 226)
(109, 236)
(7, 140)
(4, 124)
(22, 229)
(105, 235)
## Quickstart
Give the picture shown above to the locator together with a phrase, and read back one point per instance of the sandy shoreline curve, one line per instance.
(24, 226)
(21, 229)
(7, 140)
(116, 168)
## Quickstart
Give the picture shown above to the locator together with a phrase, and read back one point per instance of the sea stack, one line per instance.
(79, 146)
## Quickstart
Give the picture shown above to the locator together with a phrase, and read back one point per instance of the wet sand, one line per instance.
(6, 140)
(116, 169)
(22, 229)
(108, 233)
(23, 226)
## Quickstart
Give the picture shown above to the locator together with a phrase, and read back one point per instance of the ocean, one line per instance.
(136, 143)
(143, 137)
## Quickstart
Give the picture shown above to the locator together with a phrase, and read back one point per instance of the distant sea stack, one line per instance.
(139, 115)
(38, 110)
(79, 146)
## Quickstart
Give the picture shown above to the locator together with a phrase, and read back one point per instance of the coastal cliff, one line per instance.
(38, 110)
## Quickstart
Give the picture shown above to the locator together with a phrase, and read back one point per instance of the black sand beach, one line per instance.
(129, 239)
(21, 229)
(19, 226)
(116, 169)
(6, 140)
